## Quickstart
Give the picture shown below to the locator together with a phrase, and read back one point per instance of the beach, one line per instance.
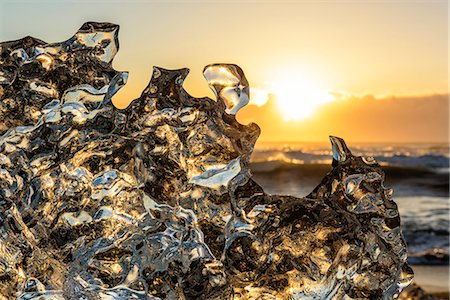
(433, 279)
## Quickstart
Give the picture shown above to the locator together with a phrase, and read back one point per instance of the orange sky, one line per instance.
(383, 49)
(359, 119)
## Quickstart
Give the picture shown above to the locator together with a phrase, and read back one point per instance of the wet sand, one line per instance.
(433, 280)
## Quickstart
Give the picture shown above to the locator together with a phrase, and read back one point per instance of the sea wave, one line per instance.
(425, 223)
(438, 160)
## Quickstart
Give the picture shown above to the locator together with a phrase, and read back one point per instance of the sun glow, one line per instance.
(258, 97)
(299, 96)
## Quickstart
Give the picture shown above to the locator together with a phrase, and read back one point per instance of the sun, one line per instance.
(299, 96)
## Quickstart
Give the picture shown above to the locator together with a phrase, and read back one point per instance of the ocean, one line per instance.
(418, 173)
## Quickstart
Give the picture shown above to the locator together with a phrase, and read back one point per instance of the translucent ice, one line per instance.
(157, 201)
(218, 176)
(229, 84)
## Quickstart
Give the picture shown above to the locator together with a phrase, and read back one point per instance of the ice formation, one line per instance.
(157, 201)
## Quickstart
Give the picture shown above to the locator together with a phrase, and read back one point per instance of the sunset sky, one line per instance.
(368, 71)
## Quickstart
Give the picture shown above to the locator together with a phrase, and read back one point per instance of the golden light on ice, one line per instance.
(299, 96)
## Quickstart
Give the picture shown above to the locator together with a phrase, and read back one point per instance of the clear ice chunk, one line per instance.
(156, 201)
